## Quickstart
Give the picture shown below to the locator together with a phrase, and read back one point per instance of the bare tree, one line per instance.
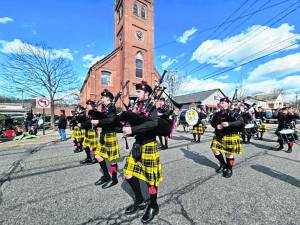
(37, 70)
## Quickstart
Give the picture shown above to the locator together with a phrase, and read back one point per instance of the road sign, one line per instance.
(43, 102)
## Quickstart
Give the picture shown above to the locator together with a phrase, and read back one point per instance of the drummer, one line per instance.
(260, 115)
(286, 118)
(248, 119)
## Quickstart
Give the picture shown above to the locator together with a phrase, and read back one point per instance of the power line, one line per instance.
(216, 73)
(252, 35)
(186, 61)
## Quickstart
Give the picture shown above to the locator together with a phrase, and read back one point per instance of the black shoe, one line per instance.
(220, 169)
(163, 147)
(150, 213)
(110, 184)
(134, 207)
(198, 141)
(86, 161)
(289, 150)
(227, 173)
(279, 148)
(166, 146)
(193, 140)
(77, 150)
(94, 161)
(102, 180)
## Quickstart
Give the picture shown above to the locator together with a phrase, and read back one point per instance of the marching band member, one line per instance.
(144, 160)
(79, 132)
(261, 115)
(163, 112)
(227, 124)
(198, 129)
(247, 115)
(108, 146)
(286, 116)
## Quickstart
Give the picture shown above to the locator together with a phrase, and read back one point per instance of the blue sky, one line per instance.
(83, 31)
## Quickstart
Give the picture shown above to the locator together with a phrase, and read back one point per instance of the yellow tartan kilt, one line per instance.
(149, 169)
(261, 128)
(111, 149)
(76, 133)
(198, 129)
(91, 140)
(229, 144)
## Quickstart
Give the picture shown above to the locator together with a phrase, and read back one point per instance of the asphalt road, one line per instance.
(47, 185)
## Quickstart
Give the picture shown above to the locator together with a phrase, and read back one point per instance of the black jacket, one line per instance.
(108, 123)
(62, 122)
(235, 120)
(146, 131)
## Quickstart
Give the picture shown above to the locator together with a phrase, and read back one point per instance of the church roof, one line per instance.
(97, 63)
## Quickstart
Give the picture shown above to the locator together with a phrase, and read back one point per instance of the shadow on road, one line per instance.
(276, 174)
(197, 158)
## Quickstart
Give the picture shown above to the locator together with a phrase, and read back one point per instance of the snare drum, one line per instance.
(250, 129)
(288, 135)
(258, 122)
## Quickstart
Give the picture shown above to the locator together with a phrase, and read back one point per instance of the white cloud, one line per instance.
(223, 77)
(90, 45)
(196, 85)
(238, 68)
(255, 39)
(181, 55)
(276, 68)
(186, 35)
(162, 57)
(90, 60)
(290, 83)
(16, 45)
(5, 20)
(168, 63)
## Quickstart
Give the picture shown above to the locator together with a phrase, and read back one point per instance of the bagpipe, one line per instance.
(137, 118)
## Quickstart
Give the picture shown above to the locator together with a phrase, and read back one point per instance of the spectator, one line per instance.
(62, 124)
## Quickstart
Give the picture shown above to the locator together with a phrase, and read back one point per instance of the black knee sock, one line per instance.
(220, 158)
(244, 137)
(229, 163)
(113, 171)
(280, 143)
(153, 195)
(104, 168)
(88, 152)
(135, 185)
(199, 137)
(194, 135)
(166, 141)
(161, 141)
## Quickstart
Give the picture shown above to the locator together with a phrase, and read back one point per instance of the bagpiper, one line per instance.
(108, 147)
(143, 162)
(227, 123)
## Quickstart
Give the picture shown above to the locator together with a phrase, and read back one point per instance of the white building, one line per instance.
(209, 98)
(267, 101)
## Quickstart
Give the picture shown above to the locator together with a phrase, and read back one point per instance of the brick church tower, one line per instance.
(132, 58)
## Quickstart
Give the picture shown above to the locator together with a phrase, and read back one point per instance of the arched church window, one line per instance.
(135, 9)
(139, 65)
(106, 78)
(143, 12)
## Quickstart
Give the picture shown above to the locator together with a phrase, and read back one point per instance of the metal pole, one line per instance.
(43, 121)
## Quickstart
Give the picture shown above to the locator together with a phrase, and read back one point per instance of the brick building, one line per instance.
(132, 58)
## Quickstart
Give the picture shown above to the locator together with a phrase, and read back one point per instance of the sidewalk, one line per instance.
(50, 136)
